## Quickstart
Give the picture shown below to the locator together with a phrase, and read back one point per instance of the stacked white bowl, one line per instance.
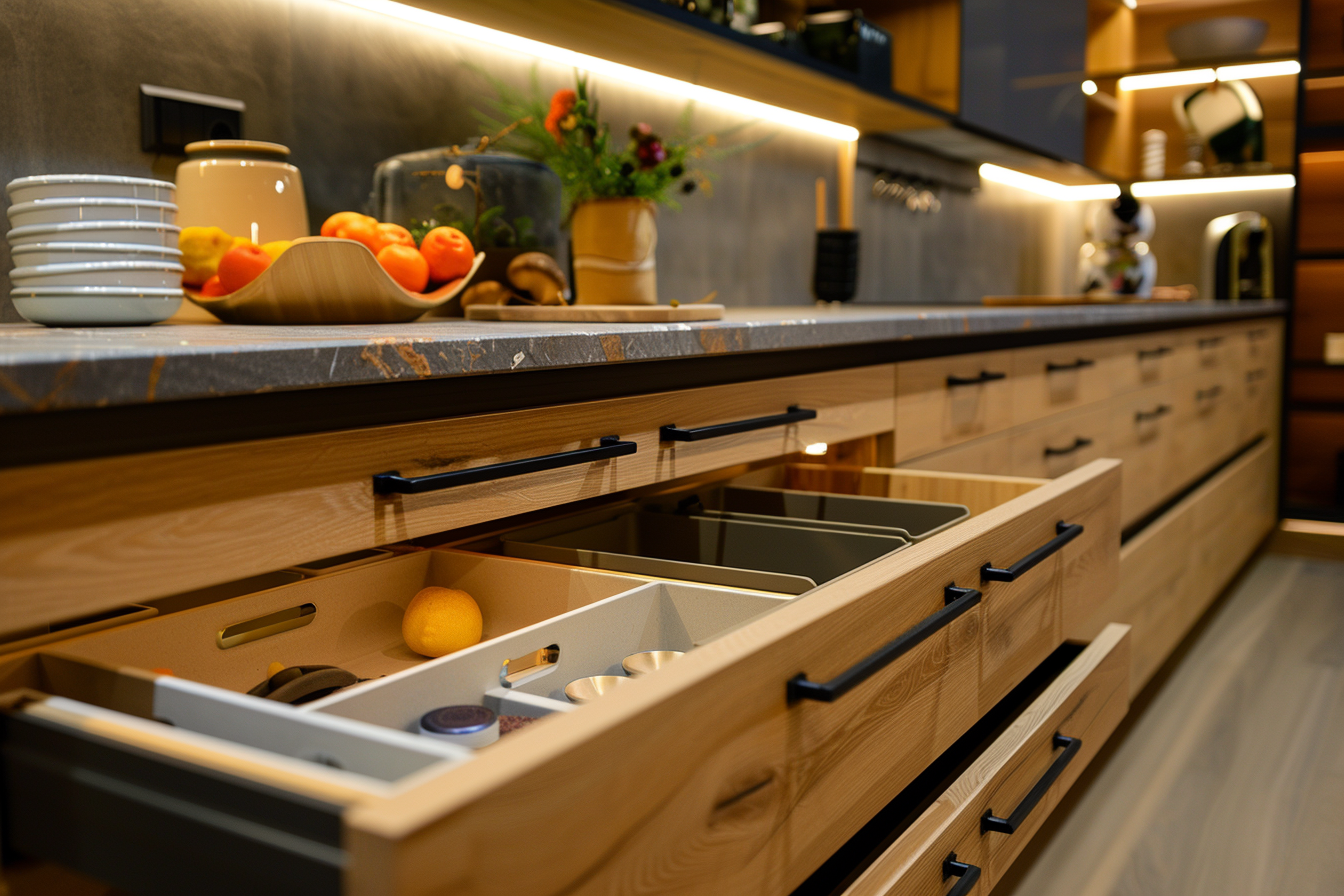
(93, 249)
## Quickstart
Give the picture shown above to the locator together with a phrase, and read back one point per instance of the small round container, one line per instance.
(149, 233)
(247, 187)
(90, 208)
(49, 186)
(586, 690)
(648, 661)
(466, 726)
(101, 273)
(128, 308)
(65, 253)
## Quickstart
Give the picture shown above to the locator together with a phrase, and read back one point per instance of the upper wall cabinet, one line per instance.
(1021, 64)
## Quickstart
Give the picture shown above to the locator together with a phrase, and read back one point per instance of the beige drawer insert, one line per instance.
(81, 537)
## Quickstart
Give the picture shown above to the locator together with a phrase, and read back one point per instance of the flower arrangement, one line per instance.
(568, 134)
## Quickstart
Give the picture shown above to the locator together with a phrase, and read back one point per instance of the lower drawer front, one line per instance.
(81, 537)
(1019, 779)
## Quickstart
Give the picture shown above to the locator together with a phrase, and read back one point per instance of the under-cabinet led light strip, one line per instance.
(615, 70)
(1209, 75)
(1142, 189)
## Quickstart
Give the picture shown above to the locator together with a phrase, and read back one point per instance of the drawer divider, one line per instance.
(1067, 532)
(991, 822)
(958, 601)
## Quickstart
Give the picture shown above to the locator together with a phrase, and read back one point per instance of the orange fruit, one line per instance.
(441, 620)
(391, 235)
(448, 252)
(212, 288)
(336, 221)
(241, 265)
(405, 265)
(361, 230)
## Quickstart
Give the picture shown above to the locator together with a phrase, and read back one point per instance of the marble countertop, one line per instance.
(54, 369)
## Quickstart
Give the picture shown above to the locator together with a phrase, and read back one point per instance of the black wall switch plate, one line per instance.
(170, 119)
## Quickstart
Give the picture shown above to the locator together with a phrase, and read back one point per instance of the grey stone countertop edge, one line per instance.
(58, 369)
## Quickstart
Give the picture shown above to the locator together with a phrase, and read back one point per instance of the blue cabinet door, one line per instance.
(1021, 64)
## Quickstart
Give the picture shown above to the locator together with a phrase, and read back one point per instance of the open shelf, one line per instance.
(1175, 66)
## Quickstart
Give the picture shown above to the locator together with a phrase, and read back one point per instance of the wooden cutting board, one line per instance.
(597, 313)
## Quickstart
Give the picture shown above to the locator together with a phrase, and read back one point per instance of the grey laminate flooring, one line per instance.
(1228, 779)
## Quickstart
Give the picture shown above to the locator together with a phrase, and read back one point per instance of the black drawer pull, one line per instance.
(969, 874)
(1144, 416)
(1146, 353)
(1258, 373)
(393, 483)
(1078, 443)
(985, 376)
(1211, 392)
(1067, 533)
(1052, 367)
(992, 822)
(671, 433)
(957, 600)
(1211, 342)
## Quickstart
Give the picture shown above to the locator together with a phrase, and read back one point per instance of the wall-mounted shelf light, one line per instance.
(1209, 75)
(605, 68)
(1143, 189)
(1048, 188)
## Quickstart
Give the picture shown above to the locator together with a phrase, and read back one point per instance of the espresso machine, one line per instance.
(1238, 257)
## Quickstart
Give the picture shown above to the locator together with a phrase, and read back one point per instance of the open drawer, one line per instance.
(740, 767)
(970, 833)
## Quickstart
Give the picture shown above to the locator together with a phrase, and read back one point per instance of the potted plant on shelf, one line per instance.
(612, 184)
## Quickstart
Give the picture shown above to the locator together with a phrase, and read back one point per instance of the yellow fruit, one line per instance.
(440, 621)
(241, 241)
(202, 248)
(274, 668)
(276, 248)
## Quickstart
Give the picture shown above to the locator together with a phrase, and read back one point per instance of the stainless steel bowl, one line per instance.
(648, 661)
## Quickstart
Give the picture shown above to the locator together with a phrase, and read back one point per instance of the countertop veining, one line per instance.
(53, 369)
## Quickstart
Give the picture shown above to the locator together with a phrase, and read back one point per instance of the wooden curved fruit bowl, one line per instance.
(320, 280)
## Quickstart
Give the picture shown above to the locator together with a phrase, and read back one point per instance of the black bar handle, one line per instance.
(1146, 353)
(968, 873)
(672, 433)
(985, 376)
(991, 822)
(1211, 392)
(1051, 367)
(1211, 342)
(1160, 411)
(1079, 442)
(956, 600)
(1067, 533)
(393, 483)
(1258, 373)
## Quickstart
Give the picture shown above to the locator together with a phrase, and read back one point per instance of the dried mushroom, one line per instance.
(537, 274)
(488, 292)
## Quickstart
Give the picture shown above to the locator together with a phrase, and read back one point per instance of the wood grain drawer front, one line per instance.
(1055, 446)
(1207, 406)
(708, 776)
(991, 455)
(1149, 359)
(1215, 348)
(1083, 705)
(1142, 434)
(1055, 378)
(80, 537)
(942, 402)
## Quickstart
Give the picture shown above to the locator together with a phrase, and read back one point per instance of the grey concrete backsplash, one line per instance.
(346, 88)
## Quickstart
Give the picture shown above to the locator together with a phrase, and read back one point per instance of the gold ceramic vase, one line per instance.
(613, 249)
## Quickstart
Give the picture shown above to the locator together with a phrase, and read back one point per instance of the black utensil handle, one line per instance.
(1067, 533)
(985, 376)
(1211, 392)
(1159, 411)
(1052, 367)
(957, 601)
(393, 483)
(1078, 443)
(1146, 353)
(992, 822)
(671, 433)
(968, 873)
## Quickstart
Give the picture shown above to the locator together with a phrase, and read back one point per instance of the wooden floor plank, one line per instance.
(1228, 778)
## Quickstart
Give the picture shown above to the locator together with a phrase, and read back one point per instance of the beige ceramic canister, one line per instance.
(247, 187)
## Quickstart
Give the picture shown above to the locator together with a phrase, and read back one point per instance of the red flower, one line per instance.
(562, 104)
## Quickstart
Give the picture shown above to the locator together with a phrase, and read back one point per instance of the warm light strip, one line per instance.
(1048, 188)
(614, 70)
(1208, 76)
(1213, 185)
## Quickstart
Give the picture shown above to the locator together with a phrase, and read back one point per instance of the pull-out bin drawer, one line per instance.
(737, 768)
